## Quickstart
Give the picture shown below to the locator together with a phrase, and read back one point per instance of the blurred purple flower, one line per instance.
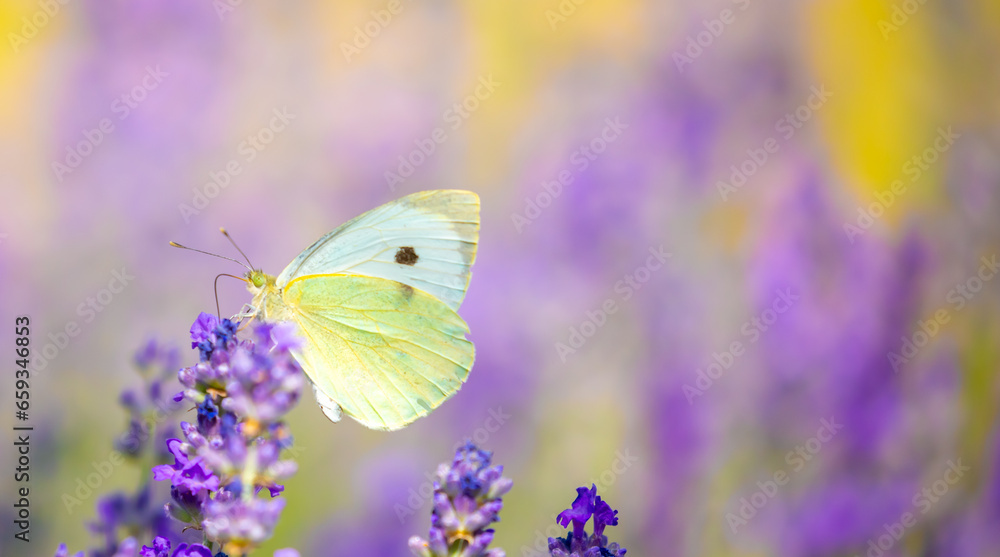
(825, 354)
(150, 407)
(467, 499)
(62, 551)
(241, 524)
(839, 515)
(126, 548)
(159, 132)
(853, 300)
(265, 387)
(168, 357)
(141, 512)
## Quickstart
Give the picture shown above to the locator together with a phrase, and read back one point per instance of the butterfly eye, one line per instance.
(257, 278)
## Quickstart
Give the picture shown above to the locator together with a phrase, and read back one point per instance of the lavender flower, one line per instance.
(125, 549)
(150, 407)
(242, 389)
(466, 500)
(140, 512)
(576, 543)
(161, 548)
(64, 552)
(239, 524)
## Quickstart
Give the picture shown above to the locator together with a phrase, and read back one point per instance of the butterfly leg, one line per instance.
(247, 311)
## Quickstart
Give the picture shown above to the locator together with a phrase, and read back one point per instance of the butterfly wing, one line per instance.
(385, 352)
(426, 240)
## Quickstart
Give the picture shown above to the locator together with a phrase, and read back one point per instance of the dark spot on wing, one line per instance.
(407, 290)
(406, 256)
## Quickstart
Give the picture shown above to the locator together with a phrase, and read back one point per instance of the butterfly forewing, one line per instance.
(426, 240)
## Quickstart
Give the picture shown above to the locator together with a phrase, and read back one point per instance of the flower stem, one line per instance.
(249, 473)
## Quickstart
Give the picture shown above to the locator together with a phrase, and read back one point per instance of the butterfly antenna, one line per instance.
(230, 238)
(176, 245)
(218, 311)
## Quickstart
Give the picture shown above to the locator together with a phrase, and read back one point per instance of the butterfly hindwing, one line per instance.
(386, 352)
(426, 240)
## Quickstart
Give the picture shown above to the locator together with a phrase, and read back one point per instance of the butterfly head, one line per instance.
(266, 301)
(258, 280)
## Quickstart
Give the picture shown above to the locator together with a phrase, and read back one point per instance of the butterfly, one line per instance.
(376, 302)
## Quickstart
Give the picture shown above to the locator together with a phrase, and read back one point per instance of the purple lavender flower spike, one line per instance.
(161, 548)
(577, 543)
(241, 390)
(466, 501)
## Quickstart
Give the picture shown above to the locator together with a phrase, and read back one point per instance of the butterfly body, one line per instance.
(375, 302)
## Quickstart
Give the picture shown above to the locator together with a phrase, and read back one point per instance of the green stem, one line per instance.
(249, 473)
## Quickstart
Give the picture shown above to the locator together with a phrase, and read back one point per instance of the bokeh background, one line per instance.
(866, 134)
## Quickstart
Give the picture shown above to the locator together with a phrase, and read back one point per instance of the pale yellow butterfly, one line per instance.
(375, 301)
